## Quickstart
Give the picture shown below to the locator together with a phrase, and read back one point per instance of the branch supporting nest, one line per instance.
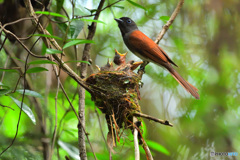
(164, 122)
(135, 135)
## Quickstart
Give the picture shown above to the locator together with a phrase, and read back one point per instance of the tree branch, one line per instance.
(83, 73)
(135, 135)
(165, 122)
(169, 23)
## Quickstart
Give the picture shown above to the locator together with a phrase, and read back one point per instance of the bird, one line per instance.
(146, 49)
(120, 60)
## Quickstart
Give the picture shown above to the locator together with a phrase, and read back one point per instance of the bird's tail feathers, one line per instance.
(189, 87)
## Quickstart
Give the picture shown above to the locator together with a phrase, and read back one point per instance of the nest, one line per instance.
(116, 93)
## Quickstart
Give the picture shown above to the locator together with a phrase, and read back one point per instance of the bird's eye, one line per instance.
(129, 21)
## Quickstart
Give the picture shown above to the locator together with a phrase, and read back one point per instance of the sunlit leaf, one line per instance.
(36, 69)
(77, 41)
(25, 109)
(41, 62)
(92, 20)
(164, 18)
(8, 70)
(52, 51)
(29, 93)
(77, 61)
(158, 147)
(51, 14)
(136, 4)
(70, 149)
(48, 36)
(70, 132)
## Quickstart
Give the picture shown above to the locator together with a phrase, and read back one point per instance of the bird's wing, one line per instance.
(148, 48)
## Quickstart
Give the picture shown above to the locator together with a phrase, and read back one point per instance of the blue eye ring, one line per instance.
(129, 21)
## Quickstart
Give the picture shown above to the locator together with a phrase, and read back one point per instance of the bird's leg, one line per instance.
(142, 67)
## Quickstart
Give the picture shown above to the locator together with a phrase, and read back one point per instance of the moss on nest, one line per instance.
(116, 93)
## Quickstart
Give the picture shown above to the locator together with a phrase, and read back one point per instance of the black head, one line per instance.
(126, 25)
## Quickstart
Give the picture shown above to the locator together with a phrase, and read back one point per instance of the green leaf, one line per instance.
(52, 51)
(63, 27)
(25, 109)
(158, 147)
(137, 5)
(92, 20)
(51, 14)
(4, 86)
(77, 61)
(91, 10)
(36, 69)
(70, 149)
(77, 41)
(76, 27)
(164, 18)
(121, 7)
(48, 36)
(44, 47)
(18, 59)
(29, 93)
(41, 62)
(59, 5)
(4, 91)
(8, 70)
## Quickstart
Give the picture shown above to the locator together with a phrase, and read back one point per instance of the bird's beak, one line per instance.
(118, 20)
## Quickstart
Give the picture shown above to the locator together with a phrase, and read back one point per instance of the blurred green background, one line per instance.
(203, 41)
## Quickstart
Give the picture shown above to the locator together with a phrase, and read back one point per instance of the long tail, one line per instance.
(189, 87)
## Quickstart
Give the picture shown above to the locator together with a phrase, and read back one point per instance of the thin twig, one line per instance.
(23, 45)
(100, 126)
(51, 42)
(63, 65)
(165, 122)
(6, 107)
(169, 23)
(2, 43)
(38, 106)
(110, 5)
(135, 134)
(20, 113)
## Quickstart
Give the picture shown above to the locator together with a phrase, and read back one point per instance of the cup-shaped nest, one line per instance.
(116, 91)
